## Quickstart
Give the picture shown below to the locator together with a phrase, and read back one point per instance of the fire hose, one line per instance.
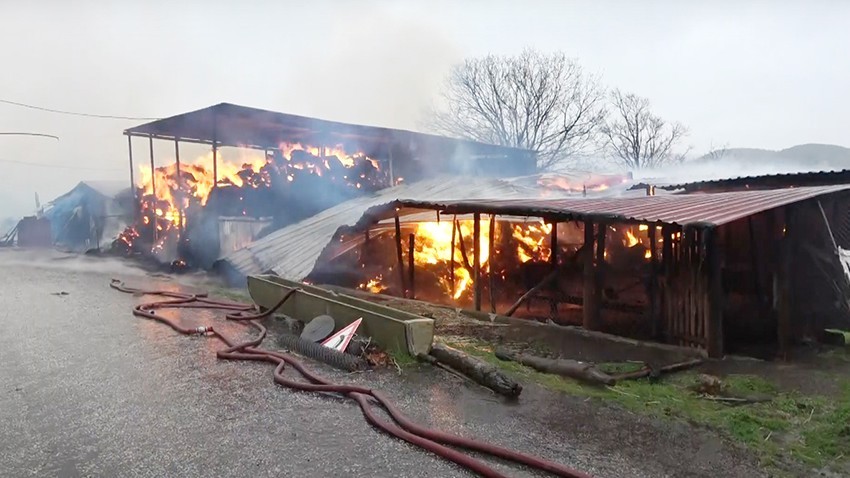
(434, 441)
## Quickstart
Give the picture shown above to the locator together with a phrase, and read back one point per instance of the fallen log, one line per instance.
(583, 371)
(478, 370)
(648, 371)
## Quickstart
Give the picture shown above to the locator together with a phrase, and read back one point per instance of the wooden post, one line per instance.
(155, 218)
(476, 256)
(553, 261)
(215, 150)
(714, 338)
(400, 260)
(411, 239)
(452, 270)
(491, 256)
(136, 202)
(179, 186)
(667, 233)
(599, 280)
(652, 287)
(784, 329)
(390, 161)
(590, 311)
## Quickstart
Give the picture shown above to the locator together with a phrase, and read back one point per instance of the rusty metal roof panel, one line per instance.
(706, 209)
(801, 178)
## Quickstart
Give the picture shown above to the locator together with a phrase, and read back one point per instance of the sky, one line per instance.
(736, 73)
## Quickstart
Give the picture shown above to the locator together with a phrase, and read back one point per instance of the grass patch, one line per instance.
(403, 359)
(789, 431)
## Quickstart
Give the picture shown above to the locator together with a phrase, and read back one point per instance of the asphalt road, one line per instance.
(86, 389)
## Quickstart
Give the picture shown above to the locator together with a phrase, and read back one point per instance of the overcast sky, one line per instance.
(749, 74)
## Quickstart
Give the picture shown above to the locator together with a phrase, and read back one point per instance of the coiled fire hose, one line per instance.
(428, 439)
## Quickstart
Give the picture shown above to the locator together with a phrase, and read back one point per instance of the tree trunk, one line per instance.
(476, 369)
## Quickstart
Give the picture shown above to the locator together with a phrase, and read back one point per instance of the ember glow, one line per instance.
(433, 246)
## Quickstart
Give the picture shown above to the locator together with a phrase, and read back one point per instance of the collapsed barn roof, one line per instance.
(292, 251)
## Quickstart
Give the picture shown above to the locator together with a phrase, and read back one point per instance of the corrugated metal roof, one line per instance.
(704, 209)
(291, 252)
(799, 178)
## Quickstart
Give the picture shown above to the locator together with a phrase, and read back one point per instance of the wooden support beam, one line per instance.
(590, 308)
(411, 266)
(667, 233)
(452, 260)
(180, 224)
(136, 200)
(476, 257)
(553, 261)
(599, 270)
(491, 264)
(784, 328)
(714, 336)
(399, 256)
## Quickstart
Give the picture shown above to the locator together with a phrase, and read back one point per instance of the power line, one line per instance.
(43, 135)
(73, 113)
(58, 166)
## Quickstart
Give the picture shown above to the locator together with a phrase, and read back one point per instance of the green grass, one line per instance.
(792, 430)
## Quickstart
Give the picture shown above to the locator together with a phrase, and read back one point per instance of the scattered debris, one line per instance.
(583, 371)
(319, 328)
(60, 293)
(649, 371)
(709, 387)
(478, 370)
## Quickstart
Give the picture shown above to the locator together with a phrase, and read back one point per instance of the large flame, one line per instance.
(433, 245)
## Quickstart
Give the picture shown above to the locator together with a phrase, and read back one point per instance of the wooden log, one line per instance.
(546, 280)
(476, 258)
(478, 370)
(586, 372)
(399, 255)
(648, 371)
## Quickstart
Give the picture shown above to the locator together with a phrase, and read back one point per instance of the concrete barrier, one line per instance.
(391, 329)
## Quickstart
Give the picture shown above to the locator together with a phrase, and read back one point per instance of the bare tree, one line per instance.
(638, 139)
(545, 103)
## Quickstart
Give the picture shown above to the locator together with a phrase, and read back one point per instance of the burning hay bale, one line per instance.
(296, 182)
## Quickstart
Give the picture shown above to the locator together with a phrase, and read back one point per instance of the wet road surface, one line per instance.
(86, 389)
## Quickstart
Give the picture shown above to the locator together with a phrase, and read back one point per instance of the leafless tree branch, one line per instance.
(636, 138)
(545, 103)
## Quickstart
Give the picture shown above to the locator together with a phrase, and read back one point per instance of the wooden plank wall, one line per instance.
(684, 288)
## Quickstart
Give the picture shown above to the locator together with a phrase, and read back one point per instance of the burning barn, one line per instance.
(299, 166)
(724, 272)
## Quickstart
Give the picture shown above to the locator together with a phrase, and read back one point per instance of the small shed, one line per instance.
(89, 215)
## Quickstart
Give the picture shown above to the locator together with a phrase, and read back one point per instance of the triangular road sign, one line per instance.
(339, 341)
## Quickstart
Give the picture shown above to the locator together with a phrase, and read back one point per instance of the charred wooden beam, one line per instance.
(667, 233)
(491, 265)
(714, 335)
(553, 260)
(411, 266)
(546, 280)
(462, 245)
(652, 286)
(452, 267)
(476, 257)
(599, 271)
(179, 186)
(399, 255)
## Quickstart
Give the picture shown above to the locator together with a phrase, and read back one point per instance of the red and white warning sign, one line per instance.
(339, 341)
